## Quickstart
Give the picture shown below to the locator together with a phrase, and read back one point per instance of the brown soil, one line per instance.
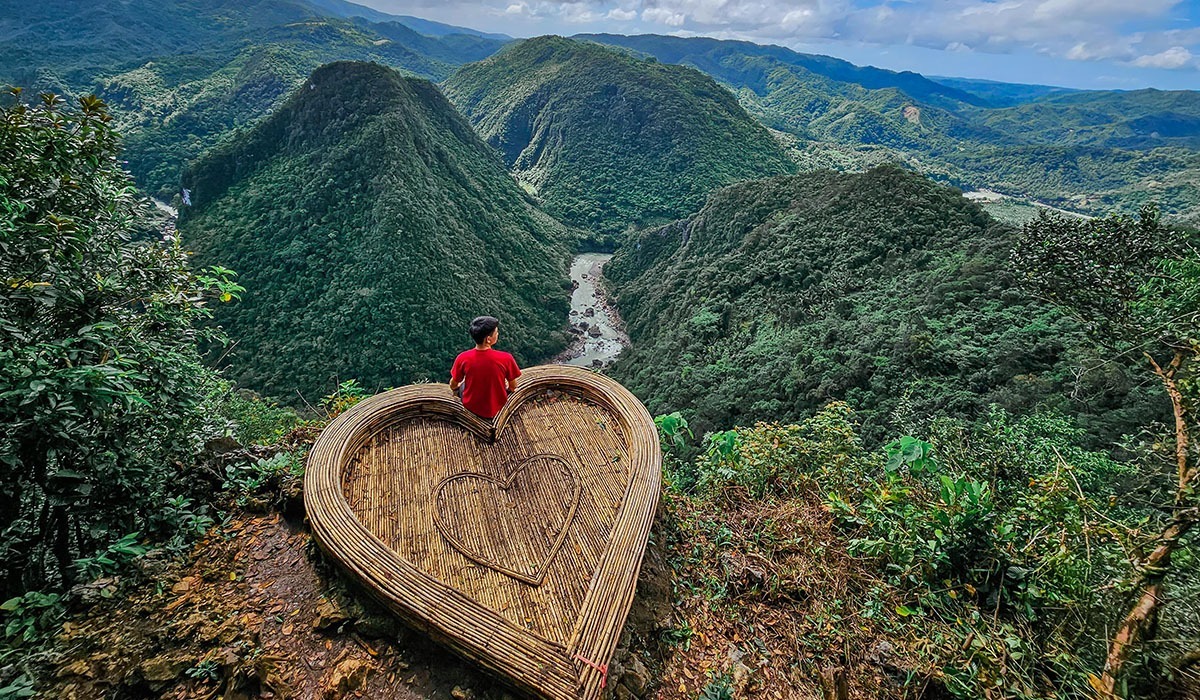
(768, 606)
(257, 613)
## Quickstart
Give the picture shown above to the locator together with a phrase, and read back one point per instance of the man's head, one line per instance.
(482, 329)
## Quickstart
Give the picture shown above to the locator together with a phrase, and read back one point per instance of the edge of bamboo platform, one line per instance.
(544, 669)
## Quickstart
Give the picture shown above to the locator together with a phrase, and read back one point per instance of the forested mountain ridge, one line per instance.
(716, 56)
(73, 42)
(368, 221)
(1088, 151)
(882, 289)
(607, 140)
(181, 75)
(999, 94)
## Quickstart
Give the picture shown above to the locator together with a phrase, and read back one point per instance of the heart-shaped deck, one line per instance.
(517, 544)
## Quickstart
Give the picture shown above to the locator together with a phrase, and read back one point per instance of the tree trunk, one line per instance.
(1139, 622)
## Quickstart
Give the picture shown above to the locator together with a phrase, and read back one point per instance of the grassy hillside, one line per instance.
(881, 289)
(607, 140)
(369, 225)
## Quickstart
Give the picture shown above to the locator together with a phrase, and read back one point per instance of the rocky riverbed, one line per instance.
(598, 331)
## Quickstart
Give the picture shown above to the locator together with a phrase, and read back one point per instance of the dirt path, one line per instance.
(258, 613)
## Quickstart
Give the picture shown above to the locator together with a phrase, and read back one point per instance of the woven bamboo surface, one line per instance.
(517, 544)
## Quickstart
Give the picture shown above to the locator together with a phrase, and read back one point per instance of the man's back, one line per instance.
(485, 376)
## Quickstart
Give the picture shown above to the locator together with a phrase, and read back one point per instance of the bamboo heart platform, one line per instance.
(516, 543)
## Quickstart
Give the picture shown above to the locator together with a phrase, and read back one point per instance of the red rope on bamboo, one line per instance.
(602, 668)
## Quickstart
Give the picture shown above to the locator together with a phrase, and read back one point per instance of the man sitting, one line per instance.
(486, 376)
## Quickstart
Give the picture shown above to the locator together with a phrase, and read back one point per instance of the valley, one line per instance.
(922, 353)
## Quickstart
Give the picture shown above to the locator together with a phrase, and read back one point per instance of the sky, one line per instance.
(1095, 44)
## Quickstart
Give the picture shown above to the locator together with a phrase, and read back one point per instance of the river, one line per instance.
(594, 321)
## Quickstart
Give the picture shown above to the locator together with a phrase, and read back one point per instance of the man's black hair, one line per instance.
(482, 327)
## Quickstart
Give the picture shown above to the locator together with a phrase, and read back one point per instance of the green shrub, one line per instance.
(103, 398)
(258, 421)
(28, 617)
(777, 460)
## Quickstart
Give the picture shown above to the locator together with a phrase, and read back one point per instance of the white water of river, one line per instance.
(595, 324)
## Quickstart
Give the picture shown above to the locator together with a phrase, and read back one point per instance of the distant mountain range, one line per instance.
(998, 94)
(341, 8)
(183, 74)
(1090, 151)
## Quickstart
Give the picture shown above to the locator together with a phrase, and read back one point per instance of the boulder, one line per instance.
(329, 616)
(162, 669)
(348, 677)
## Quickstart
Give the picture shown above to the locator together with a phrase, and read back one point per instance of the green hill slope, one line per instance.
(369, 224)
(609, 140)
(175, 107)
(881, 289)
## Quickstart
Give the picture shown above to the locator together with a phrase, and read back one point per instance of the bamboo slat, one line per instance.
(517, 543)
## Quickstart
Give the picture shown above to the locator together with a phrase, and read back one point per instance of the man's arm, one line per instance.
(513, 372)
(456, 377)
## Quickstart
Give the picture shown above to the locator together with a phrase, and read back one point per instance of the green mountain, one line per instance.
(607, 140)
(1090, 151)
(369, 224)
(72, 41)
(182, 74)
(1000, 94)
(722, 59)
(882, 289)
(175, 107)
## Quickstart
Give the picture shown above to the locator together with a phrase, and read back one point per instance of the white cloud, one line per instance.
(1136, 32)
(1173, 58)
(658, 15)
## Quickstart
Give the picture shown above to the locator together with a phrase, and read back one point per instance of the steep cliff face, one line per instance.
(369, 224)
(610, 141)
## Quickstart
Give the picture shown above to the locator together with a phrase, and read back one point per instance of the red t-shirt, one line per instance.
(485, 375)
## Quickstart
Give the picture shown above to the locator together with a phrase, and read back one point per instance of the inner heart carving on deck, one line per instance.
(513, 524)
